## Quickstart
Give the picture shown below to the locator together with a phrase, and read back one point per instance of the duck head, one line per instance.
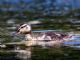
(24, 29)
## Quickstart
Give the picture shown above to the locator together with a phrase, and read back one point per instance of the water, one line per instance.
(14, 56)
(7, 25)
(72, 42)
(6, 56)
(17, 56)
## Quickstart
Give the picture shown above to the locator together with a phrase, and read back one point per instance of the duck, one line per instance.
(40, 38)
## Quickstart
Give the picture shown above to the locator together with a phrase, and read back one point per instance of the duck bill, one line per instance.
(18, 32)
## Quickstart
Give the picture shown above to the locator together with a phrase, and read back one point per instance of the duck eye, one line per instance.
(23, 26)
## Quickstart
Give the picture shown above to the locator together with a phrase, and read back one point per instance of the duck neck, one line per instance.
(28, 37)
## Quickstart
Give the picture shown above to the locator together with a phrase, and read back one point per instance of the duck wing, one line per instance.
(56, 35)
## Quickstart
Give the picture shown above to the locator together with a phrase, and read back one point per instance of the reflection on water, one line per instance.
(18, 55)
(9, 58)
(6, 56)
(72, 42)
